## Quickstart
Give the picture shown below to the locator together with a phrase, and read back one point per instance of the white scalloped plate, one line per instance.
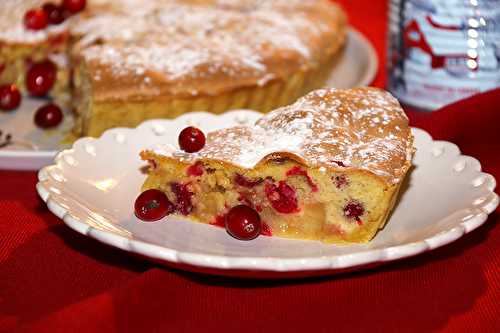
(34, 148)
(92, 187)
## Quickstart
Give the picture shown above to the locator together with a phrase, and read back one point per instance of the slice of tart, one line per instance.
(327, 167)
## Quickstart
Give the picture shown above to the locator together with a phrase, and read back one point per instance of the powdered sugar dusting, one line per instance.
(327, 128)
(196, 39)
(135, 48)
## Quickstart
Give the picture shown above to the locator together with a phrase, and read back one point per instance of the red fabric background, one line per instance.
(55, 280)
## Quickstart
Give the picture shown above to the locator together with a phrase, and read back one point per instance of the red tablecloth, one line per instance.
(53, 279)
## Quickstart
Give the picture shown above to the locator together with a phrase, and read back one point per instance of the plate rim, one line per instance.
(373, 61)
(40, 158)
(274, 264)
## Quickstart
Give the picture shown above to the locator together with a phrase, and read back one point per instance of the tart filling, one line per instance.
(292, 200)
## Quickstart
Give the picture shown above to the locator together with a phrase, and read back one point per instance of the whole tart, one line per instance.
(127, 61)
(137, 60)
(328, 167)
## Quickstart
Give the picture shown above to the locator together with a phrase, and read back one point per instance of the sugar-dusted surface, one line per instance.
(361, 128)
(136, 50)
(203, 47)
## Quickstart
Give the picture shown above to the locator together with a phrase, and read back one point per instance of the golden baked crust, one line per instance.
(328, 167)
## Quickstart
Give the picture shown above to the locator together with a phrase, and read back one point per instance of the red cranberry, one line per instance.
(266, 230)
(36, 19)
(341, 181)
(243, 223)
(282, 197)
(54, 13)
(74, 6)
(152, 205)
(191, 139)
(41, 77)
(10, 97)
(353, 210)
(246, 182)
(339, 163)
(195, 170)
(298, 171)
(183, 204)
(48, 115)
